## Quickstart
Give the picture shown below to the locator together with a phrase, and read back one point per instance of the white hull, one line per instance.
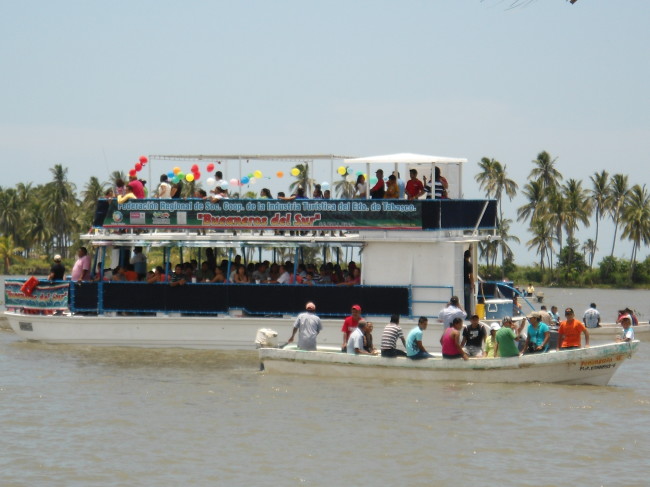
(611, 330)
(594, 366)
(216, 333)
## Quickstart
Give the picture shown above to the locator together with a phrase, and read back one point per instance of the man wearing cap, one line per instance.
(506, 339)
(491, 341)
(349, 325)
(378, 190)
(568, 335)
(453, 310)
(538, 334)
(591, 317)
(308, 326)
(628, 331)
(474, 337)
(57, 271)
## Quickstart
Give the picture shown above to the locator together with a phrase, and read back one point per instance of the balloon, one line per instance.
(177, 170)
(373, 181)
(143, 159)
(170, 174)
(295, 171)
(138, 167)
(189, 177)
(210, 167)
(252, 181)
(224, 185)
(350, 170)
(132, 172)
(279, 174)
(194, 168)
(350, 178)
(233, 182)
(197, 175)
(342, 170)
(175, 179)
(324, 185)
(257, 174)
(245, 180)
(181, 175)
(210, 181)
(359, 173)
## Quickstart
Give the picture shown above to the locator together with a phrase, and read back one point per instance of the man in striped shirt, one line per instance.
(389, 337)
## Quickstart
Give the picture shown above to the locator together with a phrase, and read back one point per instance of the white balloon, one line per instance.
(324, 185)
(252, 181)
(210, 181)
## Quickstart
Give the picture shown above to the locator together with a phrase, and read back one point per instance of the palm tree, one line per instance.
(115, 175)
(600, 197)
(534, 193)
(344, 188)
(577, 208)
(636, 220)
(502, 184)
(589, 248)
(38, 230)
(10, 211)
(503, 231)
(542, 242)
(8, 252)
(546, 172)
(302, 179)
(61, 207)
(486, 177)
(555, 215)
(618, 194)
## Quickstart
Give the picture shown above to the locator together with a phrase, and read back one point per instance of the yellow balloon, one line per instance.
(177, 170)
(295, 171)
(342, 170)
(257, 174)
(189, 177)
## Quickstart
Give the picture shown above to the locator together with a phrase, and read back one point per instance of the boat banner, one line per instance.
(263, 214)
(45, 296)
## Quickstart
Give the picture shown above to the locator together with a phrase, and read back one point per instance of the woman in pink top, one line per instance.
(450, 341)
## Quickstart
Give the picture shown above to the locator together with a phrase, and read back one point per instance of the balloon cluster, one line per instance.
(138, 166)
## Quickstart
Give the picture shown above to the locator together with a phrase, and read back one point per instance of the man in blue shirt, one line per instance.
(414, 348)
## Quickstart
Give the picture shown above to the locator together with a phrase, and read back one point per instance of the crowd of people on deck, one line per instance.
(391, 187)
(459, 340)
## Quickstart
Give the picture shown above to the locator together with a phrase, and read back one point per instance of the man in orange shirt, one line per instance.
(569, 333)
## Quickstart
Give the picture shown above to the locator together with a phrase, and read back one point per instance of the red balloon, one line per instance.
(210, 167)
(197, 175)
(132, 172)
(138, 167)
(143, 159)
(195, 168)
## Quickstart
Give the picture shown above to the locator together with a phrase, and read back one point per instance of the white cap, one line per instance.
(57, 257)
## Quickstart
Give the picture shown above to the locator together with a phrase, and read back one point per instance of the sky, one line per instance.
(94, 85)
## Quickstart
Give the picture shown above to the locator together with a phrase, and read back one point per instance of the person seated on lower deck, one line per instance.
(392, 331)
(450, 341)
(178, 277)
(204, 274)
(414, 348)
(219, 276)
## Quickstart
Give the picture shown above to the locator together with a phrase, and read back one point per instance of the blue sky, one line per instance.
(94, 85)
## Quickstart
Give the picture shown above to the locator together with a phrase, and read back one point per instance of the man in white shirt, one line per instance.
(453, 310)
(164, 188)
(591, 318)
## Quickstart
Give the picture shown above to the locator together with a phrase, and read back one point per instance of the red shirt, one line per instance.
(414, 187)
(349, 325)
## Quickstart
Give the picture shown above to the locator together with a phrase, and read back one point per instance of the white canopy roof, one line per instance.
(405, 158)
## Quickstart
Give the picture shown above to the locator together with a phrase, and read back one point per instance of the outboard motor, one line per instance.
(266, 338)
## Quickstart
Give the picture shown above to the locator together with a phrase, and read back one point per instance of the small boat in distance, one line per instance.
(592, 366)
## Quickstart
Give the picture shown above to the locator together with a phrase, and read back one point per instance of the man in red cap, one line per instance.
(349, 325)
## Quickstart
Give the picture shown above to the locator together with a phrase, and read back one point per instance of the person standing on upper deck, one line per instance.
(414, 187)
(378, 190)
(164, 188)
(57, 271)
(81, 268)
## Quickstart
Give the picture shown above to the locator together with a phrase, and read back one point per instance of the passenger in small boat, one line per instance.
(491, 341)
(308, 326)
(453, 310)
(350, 324)
(474, 337)
(392, 331)
(355, 345)
(530, 290)
(414, 348)
(555, 317)
(450, 341)
(506, 339)
(628, 331)
(546, 316)
(591, 317)
(516, 307)
(537, 335)
(568, 335)
(368, 345)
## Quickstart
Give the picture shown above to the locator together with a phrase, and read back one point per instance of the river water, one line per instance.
(84, 416)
